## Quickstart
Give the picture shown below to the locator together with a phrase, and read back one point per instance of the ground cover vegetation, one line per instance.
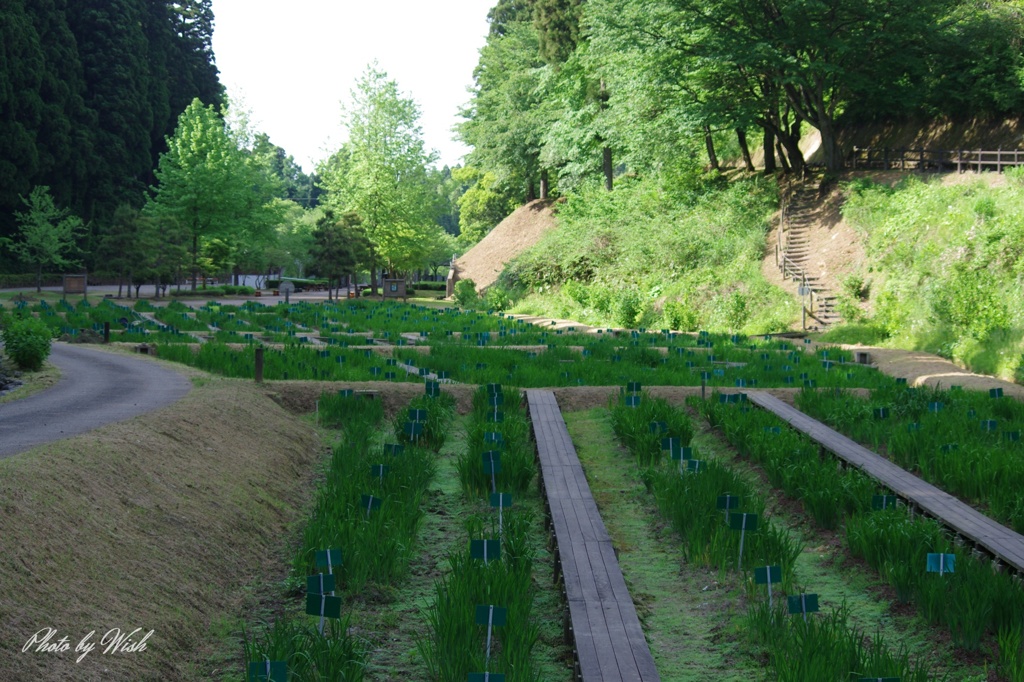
(965, 442)
(943, 270)
(689, 489)
(978, 605)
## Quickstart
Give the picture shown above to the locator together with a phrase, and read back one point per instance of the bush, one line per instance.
(497, 298)
(629, 308)
(465, 293)
(27, 342)
(430, 286)
(680, 316)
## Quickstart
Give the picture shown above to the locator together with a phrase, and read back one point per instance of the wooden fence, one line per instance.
(923, 160)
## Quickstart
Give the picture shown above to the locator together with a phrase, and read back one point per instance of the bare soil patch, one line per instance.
(516, 233)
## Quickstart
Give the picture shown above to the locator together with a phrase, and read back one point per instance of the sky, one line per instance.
(293, 64)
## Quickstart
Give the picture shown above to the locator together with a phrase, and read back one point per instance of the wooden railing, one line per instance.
(922, 160)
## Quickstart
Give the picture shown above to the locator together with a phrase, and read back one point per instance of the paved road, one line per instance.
(96, 388)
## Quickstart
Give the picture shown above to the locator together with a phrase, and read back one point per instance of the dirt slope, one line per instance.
(161, 522)
(513, 235)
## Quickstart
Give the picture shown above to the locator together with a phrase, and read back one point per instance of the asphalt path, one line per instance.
(96, 388)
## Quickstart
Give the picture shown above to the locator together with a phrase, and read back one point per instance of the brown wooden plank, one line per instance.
(586, 650)
(1003, 542)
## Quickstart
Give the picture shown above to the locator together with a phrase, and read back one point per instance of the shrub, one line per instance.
(628, 308)
(465, 293)
(27, 342)
(498, 298)
(680, 316)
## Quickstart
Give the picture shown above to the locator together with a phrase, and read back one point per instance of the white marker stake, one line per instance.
(369, 506)
(501, 525)
(942, 564)
(743, 533)
(323, 603)
(770, 605)
(485, 551)
(268, 667)
(803, 605)
(490, 624)
(330, 571)
(494, 486)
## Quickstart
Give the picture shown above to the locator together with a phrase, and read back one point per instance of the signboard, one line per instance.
(75, 284)
(394, 288)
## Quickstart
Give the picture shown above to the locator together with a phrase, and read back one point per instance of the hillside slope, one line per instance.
(513, 235)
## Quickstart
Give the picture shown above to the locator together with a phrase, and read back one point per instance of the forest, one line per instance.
(650, 101)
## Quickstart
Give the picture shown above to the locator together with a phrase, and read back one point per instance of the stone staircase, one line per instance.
(796, 253)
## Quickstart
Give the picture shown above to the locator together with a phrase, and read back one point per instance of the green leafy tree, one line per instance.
(46, 234)
(340, 247)
(210, 187)
(385, 177)
(481, 207)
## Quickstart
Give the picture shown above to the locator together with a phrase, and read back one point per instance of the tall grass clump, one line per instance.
(688, 499)
(376, 544)
(334, 655)
(455, 645)
(510, 437)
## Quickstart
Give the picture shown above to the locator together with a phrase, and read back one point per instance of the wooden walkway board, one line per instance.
(609, 641)
(1004, 543)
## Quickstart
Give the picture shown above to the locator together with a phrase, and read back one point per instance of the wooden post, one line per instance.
(922, 160)
(959, 160)
(106, 332)
(259, 365)
(855, 157)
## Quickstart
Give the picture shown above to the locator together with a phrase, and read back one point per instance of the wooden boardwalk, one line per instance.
(609, 642)
(996, 539)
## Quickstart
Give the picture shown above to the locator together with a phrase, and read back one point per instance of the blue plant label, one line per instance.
(270, 671)
(503, 500)
(880, 502)
(417, 415)
(941, 563)
(487, 614)
(321, 583)
(766, 574)
(492, 462)
(728, 502)
(658, 427)
(744, 522)
(803, 604)
(328, 557)
(487, 550)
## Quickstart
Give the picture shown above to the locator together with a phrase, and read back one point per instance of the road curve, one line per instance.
(96, 388)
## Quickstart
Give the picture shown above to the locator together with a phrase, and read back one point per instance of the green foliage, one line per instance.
(947, 264)
(481, 207)
(27, 342)
(619, 257)
(382, 174)
(465, 293)
(46, 234)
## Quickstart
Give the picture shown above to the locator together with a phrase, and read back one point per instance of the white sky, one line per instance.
(292, 64)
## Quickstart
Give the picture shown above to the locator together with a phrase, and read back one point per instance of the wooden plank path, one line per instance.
(998, 540)
(609, 642)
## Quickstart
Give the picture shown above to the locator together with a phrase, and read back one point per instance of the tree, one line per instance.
(118, 245)
(339, 247)
(46, 236)
(211, 187)
(506, 118)
(481, 207)
(385, 180)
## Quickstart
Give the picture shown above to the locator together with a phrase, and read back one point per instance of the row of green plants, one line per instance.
(498, 460)
(965, 442)
(376, 540)
(972, 602)
(564, 366)
(820, 647)
(455, 644)
(497, 424)
(292, 362)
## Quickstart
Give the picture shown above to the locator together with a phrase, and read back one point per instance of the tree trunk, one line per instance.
(830, 145)
(608, 170)
(792, 146)
(769, 150)
(195, 260)
(782, 155)
(741, 136)
(531, 193)
(39, 279)
(544, 184)
(156, 286)
(710, 144)
(120, 283)
(373, 280)
(137, 287)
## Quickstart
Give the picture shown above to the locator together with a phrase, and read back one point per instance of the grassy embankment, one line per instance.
(944, 271)
(642, 256)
